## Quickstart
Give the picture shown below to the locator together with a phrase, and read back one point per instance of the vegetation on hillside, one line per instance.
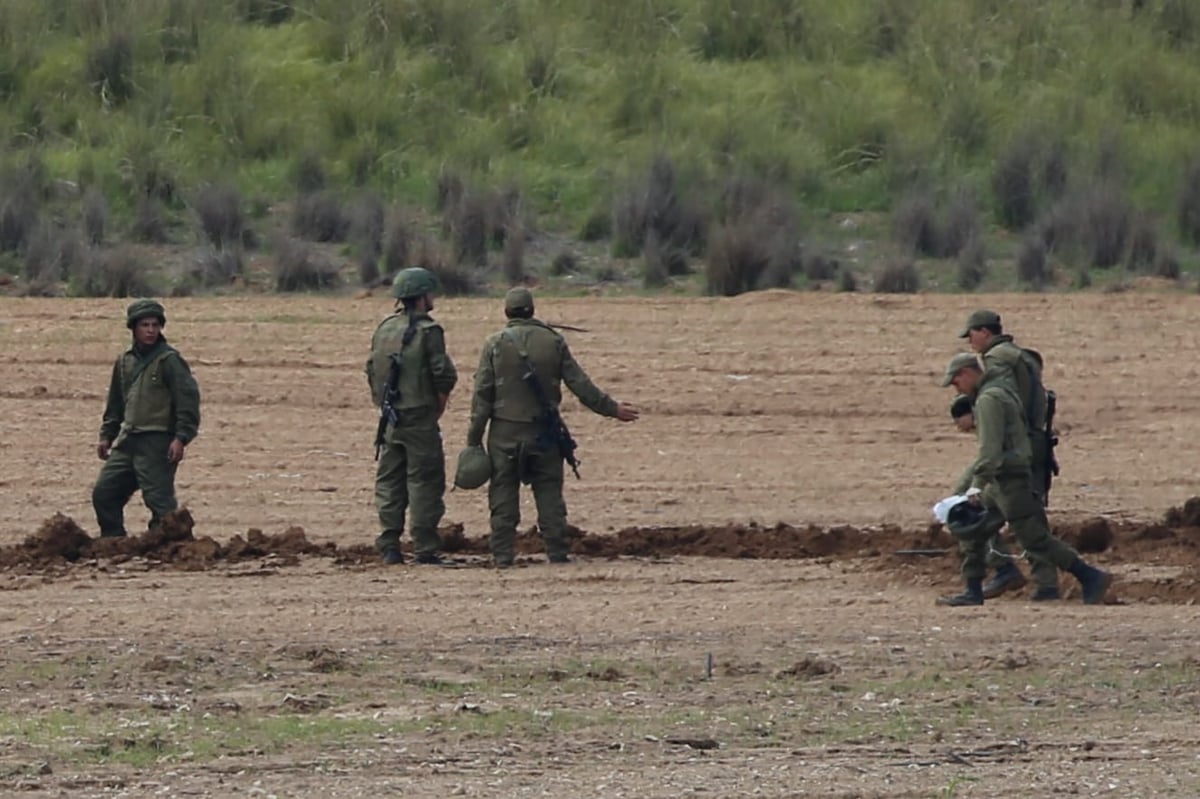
(669, 130)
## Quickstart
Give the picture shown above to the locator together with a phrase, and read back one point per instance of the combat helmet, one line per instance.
(414, 282)
(474, 468)
(140, 309)
(970, 521)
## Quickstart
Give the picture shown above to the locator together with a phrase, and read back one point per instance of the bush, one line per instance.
(959, 224)
(923, 228)
(1106, 217)
(213, 267)
(847, 281)
(972, 265)
(318, 216)
(1143, 246)
(736, 260)
(564, 263)
(1012, 184)
(1166, 265)
(477, 219)
(366, 234)
(219, 209)
(899, 277)
(820, 267)
(1033, 265)
(308, 173)
(655, 272)
(18, 218)
(299, 266)
(597, 226)
(149, 226)
(1188, 206)
(110, 68)
(655, 205)
(757, 244)
(120, 272)
(455, 279)
(52, 255)
(94, 216)
(514, 256)
(397, 247)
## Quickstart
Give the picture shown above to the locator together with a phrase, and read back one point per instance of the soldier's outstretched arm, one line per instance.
(588, 392)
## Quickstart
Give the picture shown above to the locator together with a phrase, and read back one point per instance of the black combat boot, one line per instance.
(1008, 578)
(1093, 581)
(393, 556)
(973, 595)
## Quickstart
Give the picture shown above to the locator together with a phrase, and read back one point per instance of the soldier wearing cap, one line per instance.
(411, 476)
(1000, 353)
(506, 408)
(151, 415)
(1001, 474)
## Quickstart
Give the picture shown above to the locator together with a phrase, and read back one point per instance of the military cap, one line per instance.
(140, 309)
(518, 299)
(982, 318)
(957, 364)
(961, 406)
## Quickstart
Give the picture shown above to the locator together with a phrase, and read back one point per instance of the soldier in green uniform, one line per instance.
(506, 407)
(152, 413)
(411, 374)
(1001, 473)
(1023, 367)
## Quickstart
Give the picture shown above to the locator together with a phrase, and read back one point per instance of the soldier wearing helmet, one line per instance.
(507, 407)
(409, 367)
(1000, 478)
(152, 414)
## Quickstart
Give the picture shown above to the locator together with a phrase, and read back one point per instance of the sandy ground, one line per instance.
(833, 675)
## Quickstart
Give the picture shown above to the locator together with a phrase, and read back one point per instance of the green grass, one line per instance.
(848, 105)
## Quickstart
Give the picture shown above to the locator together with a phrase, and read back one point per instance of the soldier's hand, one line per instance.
(627, 412)
(103, 448)
(175, 450)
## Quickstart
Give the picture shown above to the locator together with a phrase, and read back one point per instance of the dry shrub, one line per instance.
(597, 226)
(20, 203)
(847, 281)
(149, 225)
(898, 277)
(53, 255)
(915, 224)
(366, 234)
(1143, 245)
(94, 216)
(564, 263)
(1166, 265)
(1033, 263)
(656, 204)
(477, 219)
(757, 244)
(1013, 183)
(1188, 205)
(319, 216)
(119, 272)
(298, 266)
(513, 263)
(1106, 220)
(219, 209)
(450, 188)
(655, 272)
(923, 227)
(819, 267)
(308, 173)
(397, 246)
(212, 268)
(455, 279)
(972, 265)
(737, 257)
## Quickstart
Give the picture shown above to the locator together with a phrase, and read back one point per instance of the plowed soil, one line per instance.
(751, 610)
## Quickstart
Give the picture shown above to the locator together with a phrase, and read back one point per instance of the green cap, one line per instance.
(414, 282)
(140, 309)
(961, 406)
(518, 299)
(981, 318)
(957, 364)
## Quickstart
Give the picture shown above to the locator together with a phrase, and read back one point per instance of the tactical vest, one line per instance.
(515, 401)
(1026, 370)
(148, 406)
(1017, 452)
(416, 380)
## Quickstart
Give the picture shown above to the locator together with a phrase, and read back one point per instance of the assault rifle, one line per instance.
(388, 415)
(1051, 440)
(552, 430)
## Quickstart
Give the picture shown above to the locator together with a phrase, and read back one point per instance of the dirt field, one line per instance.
(790, 444)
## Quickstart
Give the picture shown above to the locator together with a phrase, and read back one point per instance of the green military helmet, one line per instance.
(970, 521)
(414, 282)
(140, 309)
(474, 468)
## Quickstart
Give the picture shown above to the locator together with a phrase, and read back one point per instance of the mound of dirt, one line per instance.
(1187, 516)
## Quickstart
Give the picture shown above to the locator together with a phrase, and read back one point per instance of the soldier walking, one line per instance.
(1000, 473)
(411, 377)
(152, 413)
(507, 406)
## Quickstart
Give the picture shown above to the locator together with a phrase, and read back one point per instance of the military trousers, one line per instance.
(138, 462)
(1016, 502)
(515, 459)
(411, 478)
(1044, 574)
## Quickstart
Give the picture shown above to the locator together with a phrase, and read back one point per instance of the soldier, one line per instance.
(410, 375)
(1023, 367)
(506, 401)
(1001, 474)
(151, 415)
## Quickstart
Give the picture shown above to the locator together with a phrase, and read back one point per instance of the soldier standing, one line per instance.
(1023, 368)
(152, 413)
(1001, 474)
(411, 378)
(508, 408)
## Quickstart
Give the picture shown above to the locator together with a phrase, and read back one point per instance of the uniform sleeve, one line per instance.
(445, 376)
(582, 386)
(114, 406)
(483, 398)
(989, 425)
(964, 481)
(185, 397)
